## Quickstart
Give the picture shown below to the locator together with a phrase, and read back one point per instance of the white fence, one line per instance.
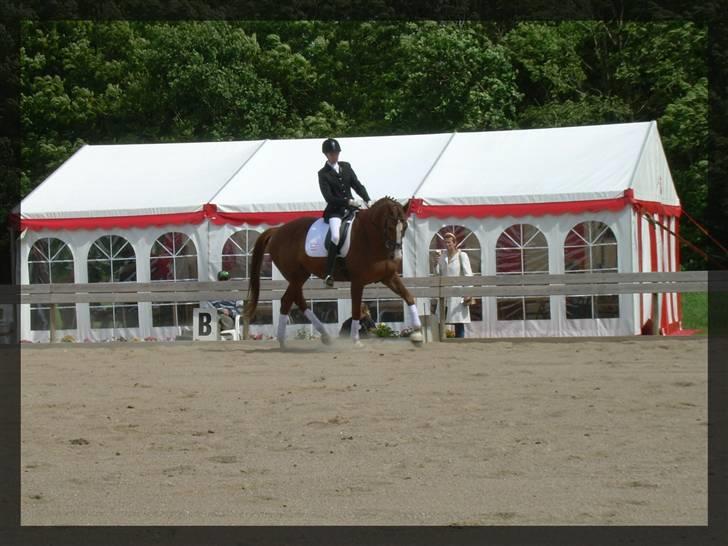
(424, 287)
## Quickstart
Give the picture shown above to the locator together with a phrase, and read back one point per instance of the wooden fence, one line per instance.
(426, 287)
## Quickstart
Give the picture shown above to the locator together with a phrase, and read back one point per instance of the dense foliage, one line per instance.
(131, 82)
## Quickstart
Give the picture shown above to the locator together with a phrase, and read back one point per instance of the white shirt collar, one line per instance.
(334, 166)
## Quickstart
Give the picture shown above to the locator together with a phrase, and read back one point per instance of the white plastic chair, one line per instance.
(235, 332)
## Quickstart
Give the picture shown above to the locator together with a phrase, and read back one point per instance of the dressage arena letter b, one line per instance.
(205, 325)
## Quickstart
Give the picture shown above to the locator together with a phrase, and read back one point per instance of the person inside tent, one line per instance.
(336, 180)
(366, 323)
(227, 310)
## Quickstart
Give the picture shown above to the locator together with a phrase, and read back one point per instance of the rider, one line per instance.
(336, 180)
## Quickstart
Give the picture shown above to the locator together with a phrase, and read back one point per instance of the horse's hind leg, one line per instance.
(309, 314)
(287, 300)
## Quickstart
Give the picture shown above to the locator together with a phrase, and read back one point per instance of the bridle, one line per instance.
(393, 245)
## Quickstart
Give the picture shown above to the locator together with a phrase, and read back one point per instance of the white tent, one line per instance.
(547, 200)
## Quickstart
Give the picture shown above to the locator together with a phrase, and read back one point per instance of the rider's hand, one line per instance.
(354, 203)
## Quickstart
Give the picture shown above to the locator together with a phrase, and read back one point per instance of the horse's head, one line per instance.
(390, 218)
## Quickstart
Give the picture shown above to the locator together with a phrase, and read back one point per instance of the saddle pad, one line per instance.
(316, 237)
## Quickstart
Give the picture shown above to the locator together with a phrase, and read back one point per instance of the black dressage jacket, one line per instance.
(336, 188)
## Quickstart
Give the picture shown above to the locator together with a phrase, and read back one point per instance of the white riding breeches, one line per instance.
(335, 229)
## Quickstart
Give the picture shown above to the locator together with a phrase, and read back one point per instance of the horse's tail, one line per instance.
(254, 286)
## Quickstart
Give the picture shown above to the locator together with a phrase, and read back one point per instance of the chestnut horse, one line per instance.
(375, 253)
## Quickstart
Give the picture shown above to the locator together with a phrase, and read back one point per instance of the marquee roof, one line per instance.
(516, 172)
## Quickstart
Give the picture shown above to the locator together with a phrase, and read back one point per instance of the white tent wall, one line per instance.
(555, 229)
(80, 242)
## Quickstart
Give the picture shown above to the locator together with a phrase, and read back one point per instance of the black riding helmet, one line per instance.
(330, 145)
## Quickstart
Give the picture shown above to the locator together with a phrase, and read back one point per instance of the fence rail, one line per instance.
(427, 287)
(432, 287)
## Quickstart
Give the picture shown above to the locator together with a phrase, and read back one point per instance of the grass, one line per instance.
(695, 311)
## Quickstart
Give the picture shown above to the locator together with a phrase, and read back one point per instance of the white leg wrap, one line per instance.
(315, 321)
(282, 323)
(354, 330)
(414, 317)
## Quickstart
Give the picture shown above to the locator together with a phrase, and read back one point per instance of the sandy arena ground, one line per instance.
(470, 433)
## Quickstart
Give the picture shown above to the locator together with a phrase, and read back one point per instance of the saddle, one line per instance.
(345, 226)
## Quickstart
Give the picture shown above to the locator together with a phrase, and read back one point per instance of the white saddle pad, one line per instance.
(316, 238)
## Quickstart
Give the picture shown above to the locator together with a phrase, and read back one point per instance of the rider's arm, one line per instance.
(358, 187)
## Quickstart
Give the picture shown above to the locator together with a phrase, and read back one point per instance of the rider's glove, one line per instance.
(354, 203)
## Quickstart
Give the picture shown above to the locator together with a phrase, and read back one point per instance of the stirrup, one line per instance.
(329, 280)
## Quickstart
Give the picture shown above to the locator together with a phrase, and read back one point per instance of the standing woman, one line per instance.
(455, 263)
(336, 180)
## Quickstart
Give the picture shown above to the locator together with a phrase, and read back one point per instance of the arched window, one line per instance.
(591, 247)
(237, 255)
(173, 258)
(467, 242)
(521, 250)
(112, 259)
(51, 261)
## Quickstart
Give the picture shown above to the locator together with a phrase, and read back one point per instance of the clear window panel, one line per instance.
(62, 272)
(578, 307)
(391, 311)
(184, 313)
(99, 271)
(576, 258)
(510, 308)
(102, 316)
(532, 237)
(326, 311)
(607, 306)
(601, 234)
(536, 260)
(510, 238)
(124, 270)
(161, 269)
(604, 257)
(186, 269)
(163, 314)
(60, 251)
(508, 261)
(476, 310)
(40, 317)
(39, 273)
(264, 313)
(538, 308)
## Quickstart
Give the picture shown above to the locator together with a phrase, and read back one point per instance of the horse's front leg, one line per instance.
(357, 288)
(397, 286)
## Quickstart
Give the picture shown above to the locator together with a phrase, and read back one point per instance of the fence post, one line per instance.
(441, 311)
(53, 322)
(655, 317)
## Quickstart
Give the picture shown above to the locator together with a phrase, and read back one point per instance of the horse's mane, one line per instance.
(385, 200)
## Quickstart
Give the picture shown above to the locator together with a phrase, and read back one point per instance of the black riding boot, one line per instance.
(330, 262)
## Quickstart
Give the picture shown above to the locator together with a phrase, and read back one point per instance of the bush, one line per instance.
(383, 330)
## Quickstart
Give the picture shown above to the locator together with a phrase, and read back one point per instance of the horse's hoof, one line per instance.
(358, 344)
(416, 339)
(326, 339)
